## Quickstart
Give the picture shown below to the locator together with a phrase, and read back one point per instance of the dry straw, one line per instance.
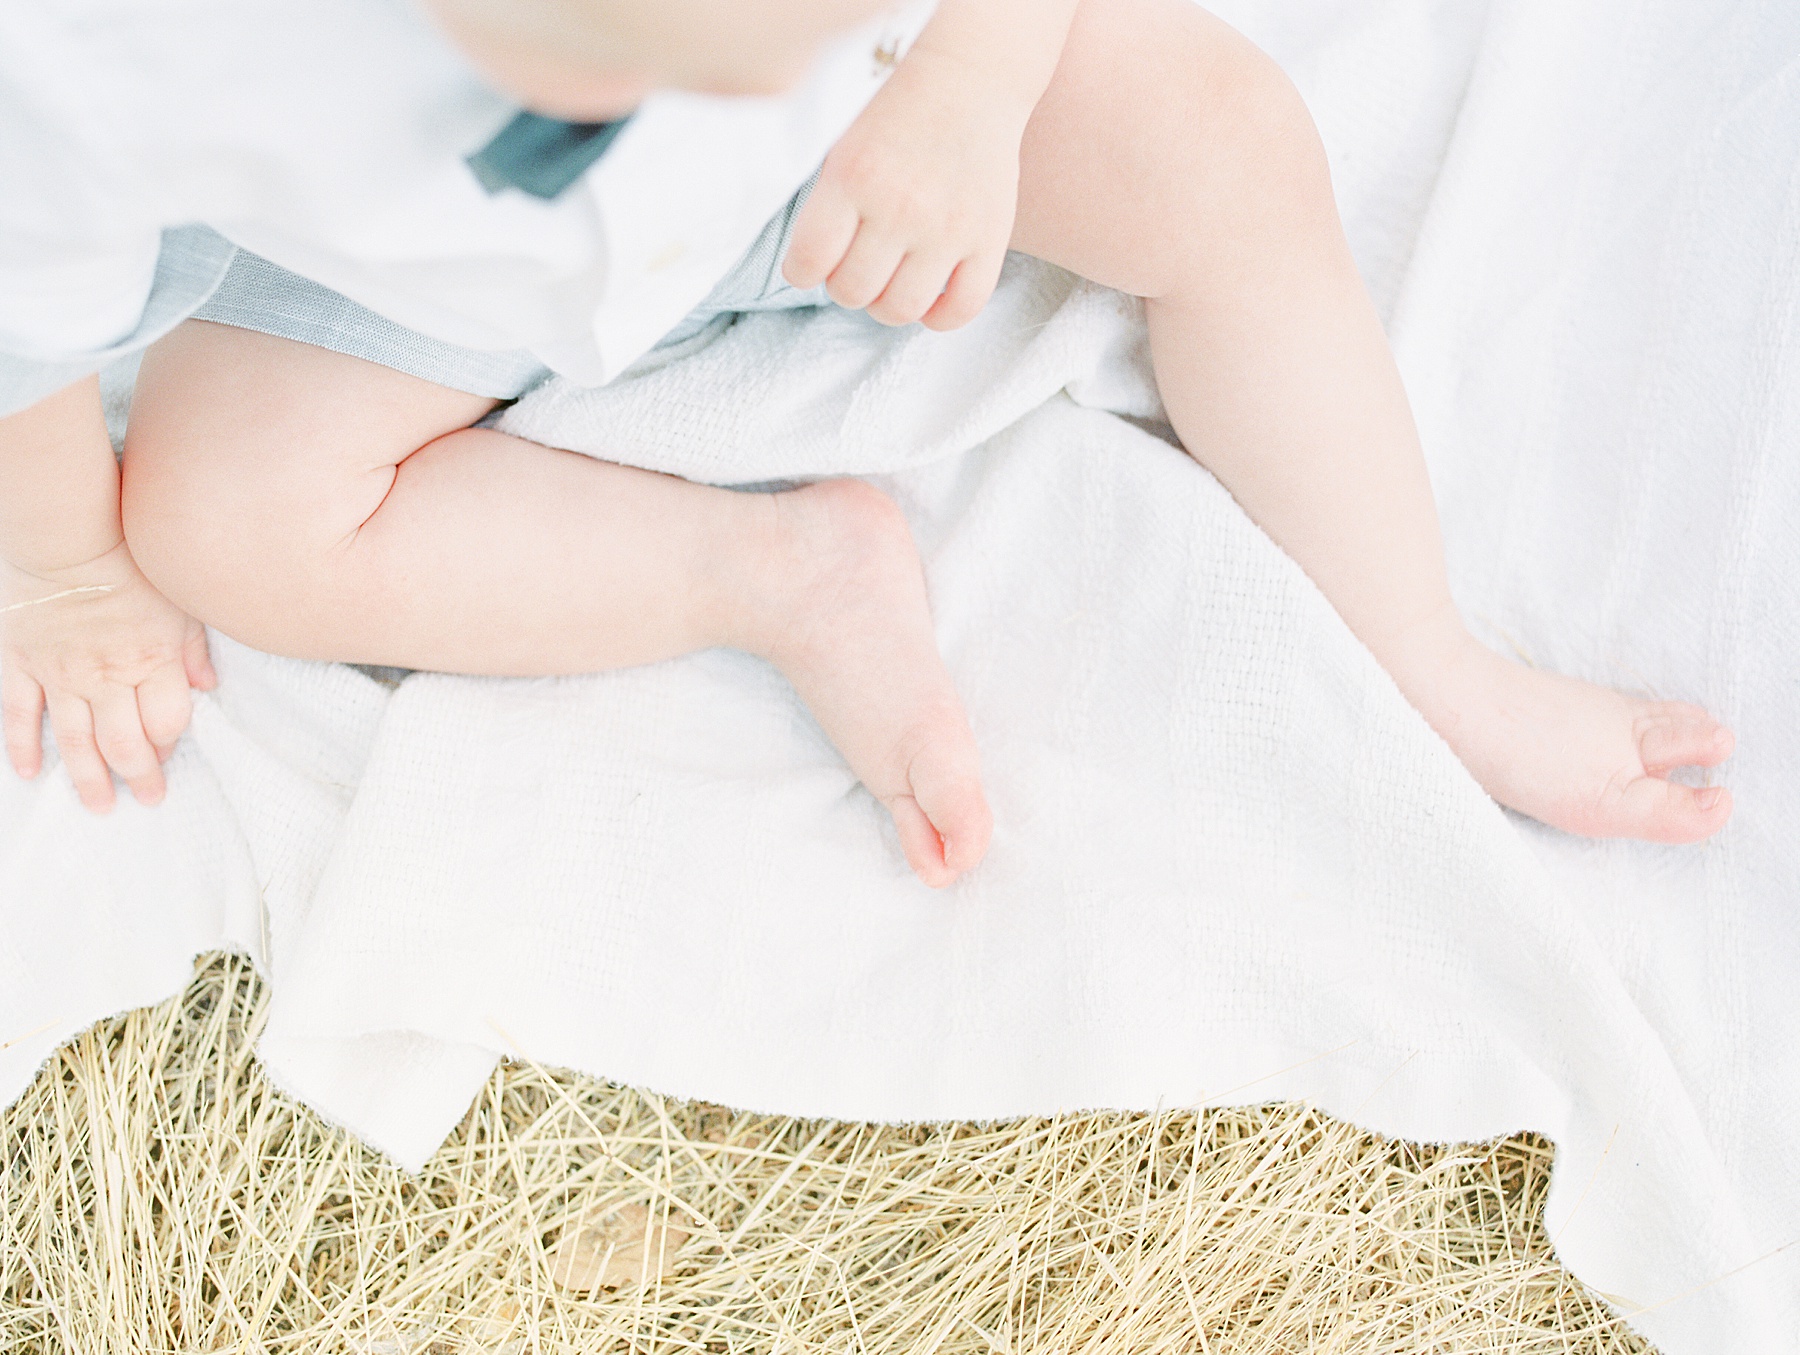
(161, 1197)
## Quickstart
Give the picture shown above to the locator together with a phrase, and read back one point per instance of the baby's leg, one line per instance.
(1171, 159)
(325, 507)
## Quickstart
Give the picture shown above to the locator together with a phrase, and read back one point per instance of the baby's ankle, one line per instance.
(1425, 654)
(1435, 664)
(803, 548)
(756, 576)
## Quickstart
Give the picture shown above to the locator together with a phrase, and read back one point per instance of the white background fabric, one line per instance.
(1231, 864)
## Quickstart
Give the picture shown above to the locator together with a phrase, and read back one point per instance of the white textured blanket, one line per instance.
(1230, 863)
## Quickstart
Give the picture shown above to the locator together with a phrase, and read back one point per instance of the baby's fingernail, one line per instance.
(1709, 797)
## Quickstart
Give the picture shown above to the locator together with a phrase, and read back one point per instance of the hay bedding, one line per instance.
(160, 1196)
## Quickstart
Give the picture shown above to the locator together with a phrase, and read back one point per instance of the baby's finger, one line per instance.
(915, 286)
(821, 237)
(119, 734)
(968, 291)
(197, 659)
(72, 723)
(166, 705)
(22, 711)
(866, 270)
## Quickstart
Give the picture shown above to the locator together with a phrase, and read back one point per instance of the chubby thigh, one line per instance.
(1166, 146)
(250, 455)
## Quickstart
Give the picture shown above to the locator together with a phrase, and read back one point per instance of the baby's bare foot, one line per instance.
(1578, 757)
(851, 629)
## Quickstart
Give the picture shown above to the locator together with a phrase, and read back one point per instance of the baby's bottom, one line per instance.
(321, 506)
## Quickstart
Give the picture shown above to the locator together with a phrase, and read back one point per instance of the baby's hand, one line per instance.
(914, 207)
(112, 662)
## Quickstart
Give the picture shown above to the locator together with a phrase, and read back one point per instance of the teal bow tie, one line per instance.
(541, 156)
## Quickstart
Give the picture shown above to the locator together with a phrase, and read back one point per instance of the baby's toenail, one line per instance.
(1709, 797)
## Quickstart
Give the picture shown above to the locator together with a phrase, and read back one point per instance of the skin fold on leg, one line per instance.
(1172, 160)
(323, 507)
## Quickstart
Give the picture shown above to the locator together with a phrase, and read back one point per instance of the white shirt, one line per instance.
(329, 136)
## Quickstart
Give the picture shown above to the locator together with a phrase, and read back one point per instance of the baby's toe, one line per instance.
(1664, 811)
(1680, 735)
(945, 823)
(920, 842)
(963, 821)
